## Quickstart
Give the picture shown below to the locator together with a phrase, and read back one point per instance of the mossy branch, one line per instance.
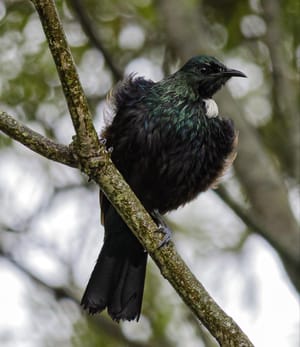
(95, 161)
(35, 141)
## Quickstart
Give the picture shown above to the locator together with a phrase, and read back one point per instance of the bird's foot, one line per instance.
(103, 141)
(162, 228)
(167, 232)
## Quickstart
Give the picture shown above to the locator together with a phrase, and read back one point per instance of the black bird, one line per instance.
(170, 144)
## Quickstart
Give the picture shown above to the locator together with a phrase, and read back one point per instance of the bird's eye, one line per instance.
(203, 70)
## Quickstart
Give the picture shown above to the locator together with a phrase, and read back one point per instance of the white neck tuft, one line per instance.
(211, 108)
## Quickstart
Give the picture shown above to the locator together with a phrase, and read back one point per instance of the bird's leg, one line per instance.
(162, 228)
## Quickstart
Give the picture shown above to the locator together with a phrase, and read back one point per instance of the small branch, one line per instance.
(36, 142)
(284, 78)
(239, 211)
(250, 221)
(90, 32)
(284, 88)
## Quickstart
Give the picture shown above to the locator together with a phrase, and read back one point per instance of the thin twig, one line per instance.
(244, 215)
(284, 88)
(91, 33)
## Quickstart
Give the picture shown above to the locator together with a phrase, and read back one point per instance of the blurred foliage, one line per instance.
(135, 34)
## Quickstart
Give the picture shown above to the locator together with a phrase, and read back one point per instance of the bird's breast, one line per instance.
(190, 156)
(168, 155)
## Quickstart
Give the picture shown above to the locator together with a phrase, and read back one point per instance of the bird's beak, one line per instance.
(233, 73)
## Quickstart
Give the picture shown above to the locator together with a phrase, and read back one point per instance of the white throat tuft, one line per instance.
(212, 110)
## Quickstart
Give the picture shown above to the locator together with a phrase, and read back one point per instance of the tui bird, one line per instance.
(170, 144)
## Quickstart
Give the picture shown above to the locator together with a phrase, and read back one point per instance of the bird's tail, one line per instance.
(117, 281)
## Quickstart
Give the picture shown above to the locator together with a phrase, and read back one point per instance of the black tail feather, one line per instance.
(117, 281)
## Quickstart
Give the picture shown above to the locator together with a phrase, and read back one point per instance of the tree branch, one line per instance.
(89, 30)
(95, 161)
(35, 141)
(285, 89)
(243, 214)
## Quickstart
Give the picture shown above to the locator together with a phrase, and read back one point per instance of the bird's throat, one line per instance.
(211, 107)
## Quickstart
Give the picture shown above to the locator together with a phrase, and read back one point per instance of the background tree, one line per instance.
(44, 237)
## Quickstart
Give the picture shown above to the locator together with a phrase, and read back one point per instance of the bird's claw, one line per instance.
(162, 228)
(103, 142)
(167, 232)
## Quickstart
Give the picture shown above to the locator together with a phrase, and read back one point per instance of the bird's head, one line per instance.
(207, 75)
